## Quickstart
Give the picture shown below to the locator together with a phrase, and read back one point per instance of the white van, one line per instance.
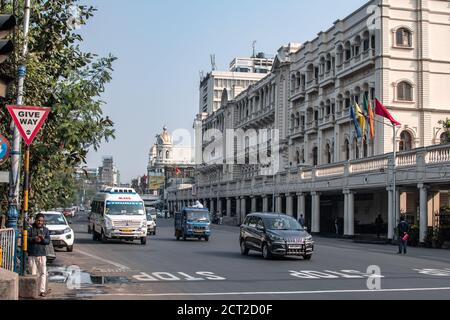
(118, 213)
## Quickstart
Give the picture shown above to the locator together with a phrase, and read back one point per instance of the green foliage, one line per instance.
(69, 81)
(446, 125)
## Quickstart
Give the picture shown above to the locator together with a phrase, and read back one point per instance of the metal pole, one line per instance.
(14, 188)
(26, 191)
(394, 187)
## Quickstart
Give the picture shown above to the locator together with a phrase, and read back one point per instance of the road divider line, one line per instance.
(118, 265)
(266, 293)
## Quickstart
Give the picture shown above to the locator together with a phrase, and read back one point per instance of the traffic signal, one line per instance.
(7, 24)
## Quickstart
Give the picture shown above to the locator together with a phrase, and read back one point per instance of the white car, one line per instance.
(61, 234)
(151, 223)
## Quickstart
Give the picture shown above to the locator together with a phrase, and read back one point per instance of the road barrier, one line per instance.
(7, 239)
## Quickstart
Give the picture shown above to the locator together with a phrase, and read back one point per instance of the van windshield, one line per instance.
(120, 208)
(197, 216)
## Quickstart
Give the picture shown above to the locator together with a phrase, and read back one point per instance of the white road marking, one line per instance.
(166, 276)
(266, 293)
(118, 265)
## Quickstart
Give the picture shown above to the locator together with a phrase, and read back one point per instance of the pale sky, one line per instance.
(162, 45)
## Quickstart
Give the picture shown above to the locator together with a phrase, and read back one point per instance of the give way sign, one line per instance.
(28, 120)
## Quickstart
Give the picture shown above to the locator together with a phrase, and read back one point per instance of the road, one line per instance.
(167, 269)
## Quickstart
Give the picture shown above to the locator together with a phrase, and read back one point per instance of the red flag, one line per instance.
(383, 112)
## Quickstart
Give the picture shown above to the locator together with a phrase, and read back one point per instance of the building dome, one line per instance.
(165, 136)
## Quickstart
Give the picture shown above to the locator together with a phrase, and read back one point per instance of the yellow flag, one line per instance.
(361, 118)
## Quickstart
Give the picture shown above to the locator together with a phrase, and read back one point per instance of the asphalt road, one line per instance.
(167, 269)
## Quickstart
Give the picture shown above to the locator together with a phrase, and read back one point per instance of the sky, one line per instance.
(162, 45)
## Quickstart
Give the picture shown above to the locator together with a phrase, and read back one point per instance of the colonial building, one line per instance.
(165, 158)
(242, 73)
(392, 50)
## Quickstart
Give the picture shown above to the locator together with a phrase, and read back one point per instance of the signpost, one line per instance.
(28, 121)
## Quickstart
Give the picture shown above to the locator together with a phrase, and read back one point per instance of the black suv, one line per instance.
(275, 235)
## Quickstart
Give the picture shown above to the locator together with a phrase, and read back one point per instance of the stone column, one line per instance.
(238, 208)
(423, 209)
(229, 207)
(301, 205)
(315, 225)
(253, 204)
(346, 212)
(265, 200)
(219, 206)
(212, 207)
(351, 214)
(290, 205)
(391, 223)
(243, 209)
(279, 206)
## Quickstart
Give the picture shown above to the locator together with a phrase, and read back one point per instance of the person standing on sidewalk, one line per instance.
(403, 236)
(38, 239)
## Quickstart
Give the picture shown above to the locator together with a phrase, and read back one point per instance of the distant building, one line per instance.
(108, 173)
(165, 156)
(243, 72)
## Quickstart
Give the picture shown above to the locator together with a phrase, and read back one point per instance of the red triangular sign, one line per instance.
(28, 120)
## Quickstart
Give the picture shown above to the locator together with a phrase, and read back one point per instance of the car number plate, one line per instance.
(295, 247)
(127, 230)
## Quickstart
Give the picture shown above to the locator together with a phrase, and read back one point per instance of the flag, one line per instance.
(383, 112)
(371, 121)
(361, 118)
(177, 171)
(370, 115)
(355, 122)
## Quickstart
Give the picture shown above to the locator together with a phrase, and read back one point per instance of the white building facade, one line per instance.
(396, 51)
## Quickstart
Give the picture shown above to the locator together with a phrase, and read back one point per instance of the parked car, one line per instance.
(69, 212)
(151, 221)
(275, 235)
(61, 234)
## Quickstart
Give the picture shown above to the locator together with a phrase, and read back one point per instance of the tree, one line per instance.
(69, 81)
(446, 136)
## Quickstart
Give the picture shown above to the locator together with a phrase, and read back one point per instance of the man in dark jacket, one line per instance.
(403, 230)
(38, 238)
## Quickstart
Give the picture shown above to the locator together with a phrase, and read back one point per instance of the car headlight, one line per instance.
(275, 238)
(108, 224)
(67, 230)
(308, 238)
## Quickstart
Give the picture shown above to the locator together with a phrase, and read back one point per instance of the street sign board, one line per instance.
(28, 120)
(4, 149)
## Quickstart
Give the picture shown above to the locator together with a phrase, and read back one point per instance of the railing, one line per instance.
(306, 175)
(438, 156)
(7, 245)
(371, 165)
(312, 125)
(332, 171)
(407, 160)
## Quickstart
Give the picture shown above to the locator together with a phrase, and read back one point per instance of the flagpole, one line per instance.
(394, 184)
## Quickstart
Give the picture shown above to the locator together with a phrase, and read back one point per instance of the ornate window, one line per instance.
(315, 156)
(297, 157)
(404, 91)
(445, 138)
(167, 154)
(405, 141)
(347, 149)
(403, 38)
(356, 148)
(328, 153)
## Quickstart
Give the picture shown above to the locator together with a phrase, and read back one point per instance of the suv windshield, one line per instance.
(54, 219)
(282, 223)
(197, 216)
(118, 208)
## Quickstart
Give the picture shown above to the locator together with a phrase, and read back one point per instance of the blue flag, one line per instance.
(355, 122)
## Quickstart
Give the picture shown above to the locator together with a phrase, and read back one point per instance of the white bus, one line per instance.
(118, 213)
